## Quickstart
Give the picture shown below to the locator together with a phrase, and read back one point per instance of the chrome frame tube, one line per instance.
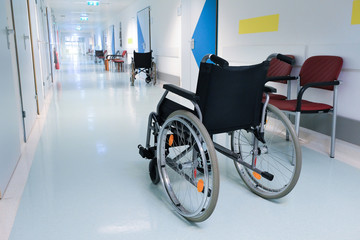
(333, 130)
(150, 128)
(264, 112)
(288, 94)
(297, 123)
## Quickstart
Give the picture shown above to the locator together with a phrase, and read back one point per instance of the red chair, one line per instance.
(120, 61)
(316, 72)
(279, 71)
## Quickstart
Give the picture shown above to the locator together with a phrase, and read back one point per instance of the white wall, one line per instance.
(165, 32)
(306, 28)
(166, 35)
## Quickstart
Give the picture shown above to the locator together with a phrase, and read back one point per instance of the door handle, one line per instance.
(26, 38)
(144, 46)
(8, 32)
(192, 44)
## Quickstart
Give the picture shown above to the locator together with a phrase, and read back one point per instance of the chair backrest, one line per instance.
(230, 97)
(279, 68)
(124, 53)
(321, 69)
(143, 60)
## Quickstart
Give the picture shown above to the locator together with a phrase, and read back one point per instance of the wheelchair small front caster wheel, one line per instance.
(153, 171)
(147, 79)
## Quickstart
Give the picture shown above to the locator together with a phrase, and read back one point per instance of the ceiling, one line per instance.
(68, 12)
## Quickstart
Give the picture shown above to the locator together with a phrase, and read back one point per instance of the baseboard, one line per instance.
(168, 78)
(346, 129)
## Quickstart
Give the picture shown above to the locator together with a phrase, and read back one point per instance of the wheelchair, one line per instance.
(100, 55)
(143, 62)
(228, 99)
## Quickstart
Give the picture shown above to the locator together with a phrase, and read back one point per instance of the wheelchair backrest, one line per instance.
(231, 97)
(143, 60)
(99, 53)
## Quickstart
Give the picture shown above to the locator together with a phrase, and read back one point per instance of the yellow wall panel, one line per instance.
(268, 23)
(355, 18)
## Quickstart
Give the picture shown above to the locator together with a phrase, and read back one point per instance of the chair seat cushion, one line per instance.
(118, 60)
(276, 96)
(306, 106)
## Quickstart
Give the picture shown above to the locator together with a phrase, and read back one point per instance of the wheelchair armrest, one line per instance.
(282, 78)
(182, 92)
(313, 84)
(268, 89)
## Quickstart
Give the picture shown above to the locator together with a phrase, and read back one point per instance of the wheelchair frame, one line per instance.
(159, 152)
(145, 64)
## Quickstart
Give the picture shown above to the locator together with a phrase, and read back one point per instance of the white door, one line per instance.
(10, 109)
(198, 37)
(25, 63)
(51, 44)
(143, 30)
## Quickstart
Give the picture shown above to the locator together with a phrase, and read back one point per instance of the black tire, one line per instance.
(153, 171)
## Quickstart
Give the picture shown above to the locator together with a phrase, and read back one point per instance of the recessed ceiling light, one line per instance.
(84, 18)
(78, 28)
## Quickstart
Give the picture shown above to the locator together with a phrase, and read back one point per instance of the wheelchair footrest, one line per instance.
(148, 153)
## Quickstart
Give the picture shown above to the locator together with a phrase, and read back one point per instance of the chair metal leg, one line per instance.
(333, 132)
(297, 123)
(287, 132)
(333, 129)
(297, 126)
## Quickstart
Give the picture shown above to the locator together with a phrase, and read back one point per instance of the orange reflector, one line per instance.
(171, 140)
(200, 185)
(257, 176)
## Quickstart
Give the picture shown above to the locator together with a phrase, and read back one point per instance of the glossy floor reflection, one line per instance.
(87, 180)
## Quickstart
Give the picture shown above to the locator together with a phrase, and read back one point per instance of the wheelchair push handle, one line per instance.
(282, 57)
(216, 59)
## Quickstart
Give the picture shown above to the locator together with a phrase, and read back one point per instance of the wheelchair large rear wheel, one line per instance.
(187, 166)
(280, 155)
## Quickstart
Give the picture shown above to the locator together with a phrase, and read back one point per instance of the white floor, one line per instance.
(80, 176)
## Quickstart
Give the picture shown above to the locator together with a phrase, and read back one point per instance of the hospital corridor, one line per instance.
(116, 120)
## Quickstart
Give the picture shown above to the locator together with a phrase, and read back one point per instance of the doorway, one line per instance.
(25, 65)
(143, 30)
(198, 37)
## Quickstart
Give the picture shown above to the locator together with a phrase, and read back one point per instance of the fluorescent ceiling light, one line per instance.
(93, 3)
(84, 18)
(78, 28)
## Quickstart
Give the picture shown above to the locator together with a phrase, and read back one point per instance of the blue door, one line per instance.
(143, 30)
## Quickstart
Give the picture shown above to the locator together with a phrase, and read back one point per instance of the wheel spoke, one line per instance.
(277, 156)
